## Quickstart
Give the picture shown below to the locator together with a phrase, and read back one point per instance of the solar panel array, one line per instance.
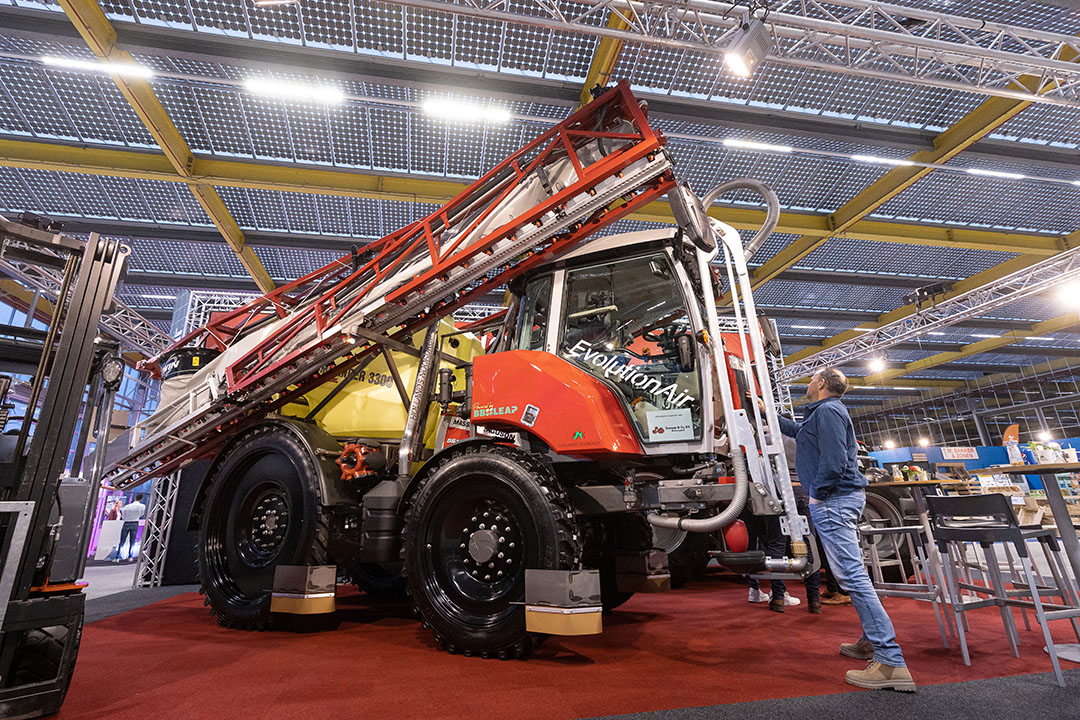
(382, 128)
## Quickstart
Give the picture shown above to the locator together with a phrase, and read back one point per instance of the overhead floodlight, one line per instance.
(1069, 293)
(996, 174)
(880, 160)
(464, 111)
(877, 365)
(1045, 436)
(924, 442)
(751, 145)
(749, 48)
(890, 444)
(113, 68)
(294, 91)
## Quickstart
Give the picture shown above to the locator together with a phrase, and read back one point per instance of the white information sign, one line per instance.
(668, 425)
(959, 453)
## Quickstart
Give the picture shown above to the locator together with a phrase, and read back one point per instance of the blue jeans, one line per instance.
(128, 531)
(836, 520)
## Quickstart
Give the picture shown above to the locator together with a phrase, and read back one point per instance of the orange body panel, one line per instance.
(536, 392)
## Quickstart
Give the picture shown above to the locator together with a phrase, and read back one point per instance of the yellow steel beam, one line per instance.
(211, 172)
(1057, 324)
(603, 60)
(1055, 365)
(100, 36)
(980, 122)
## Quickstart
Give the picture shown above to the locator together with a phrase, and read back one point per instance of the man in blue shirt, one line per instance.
(828, 470)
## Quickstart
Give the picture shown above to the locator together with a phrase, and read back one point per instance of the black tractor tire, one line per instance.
(381, 581)
(263, 509)
(606, 536)
(41, 659)
(882, 505)
(466, 577)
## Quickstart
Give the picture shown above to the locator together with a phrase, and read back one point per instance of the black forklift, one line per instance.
(65, 375)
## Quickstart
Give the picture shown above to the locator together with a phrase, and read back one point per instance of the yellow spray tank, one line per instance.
(370, 407)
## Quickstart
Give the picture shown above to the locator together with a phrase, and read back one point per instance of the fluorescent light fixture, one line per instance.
(890, 444)
(1040, 337)
(465, 111)
(272, 3)
(924, 442)
(984, 335)
(751, 145)
(294, 91)
(749, 48)
(113, 68)
(996, 174)
(1076, 183)
(159, 297)
(877, 364)
(880, 160)
(934, 332)
(809, 327)
(863, 330)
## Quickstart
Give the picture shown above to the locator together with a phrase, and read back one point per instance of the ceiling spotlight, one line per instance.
(877, 365)
(751, 145)
(749, 48)
(1044, 436)
(464, 111)
(890, 444)
(294, 91)
(1069, 293)
(113, 68)
(996, 174)
(924, 442)
(880, 160)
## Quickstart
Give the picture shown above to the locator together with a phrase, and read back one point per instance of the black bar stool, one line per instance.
(987, 520)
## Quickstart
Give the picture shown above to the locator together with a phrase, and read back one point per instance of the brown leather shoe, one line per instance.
(814, 607)
(881, 677)
(776, 604)
(837, 599)
(862, 650)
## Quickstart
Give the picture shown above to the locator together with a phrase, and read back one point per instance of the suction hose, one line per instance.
(772, 206)
(725, 518)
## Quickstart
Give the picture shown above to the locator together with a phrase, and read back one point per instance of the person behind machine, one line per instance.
(827, 468)
(131, 514)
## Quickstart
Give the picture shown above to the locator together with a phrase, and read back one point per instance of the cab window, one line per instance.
(622, 322)
(533, 317)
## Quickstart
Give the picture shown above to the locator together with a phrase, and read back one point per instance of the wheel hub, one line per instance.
(269, 522)
(492, 543)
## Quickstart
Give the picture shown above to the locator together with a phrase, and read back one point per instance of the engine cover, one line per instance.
(536, 392)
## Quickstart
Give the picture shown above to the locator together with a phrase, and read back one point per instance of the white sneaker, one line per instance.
(756, 596)
(790, 600)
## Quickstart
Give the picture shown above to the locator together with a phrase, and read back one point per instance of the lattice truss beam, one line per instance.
(124, 325)
(984, 299)
(854, 37)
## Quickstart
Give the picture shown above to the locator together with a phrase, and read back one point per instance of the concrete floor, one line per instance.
(108, 579)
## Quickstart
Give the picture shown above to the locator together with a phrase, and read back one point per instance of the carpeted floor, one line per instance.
(696, 648)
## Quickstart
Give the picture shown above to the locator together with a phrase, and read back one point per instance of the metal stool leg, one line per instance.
(1013, 577)
(1040, 615)
(917, 551)
(1063, 581)
(998, 589)
(956, 602)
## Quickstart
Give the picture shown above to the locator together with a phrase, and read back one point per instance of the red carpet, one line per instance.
(702, 645)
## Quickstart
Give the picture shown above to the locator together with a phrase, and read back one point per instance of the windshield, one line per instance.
(625, 322)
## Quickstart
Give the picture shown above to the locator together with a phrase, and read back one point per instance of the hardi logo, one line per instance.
(578, 435)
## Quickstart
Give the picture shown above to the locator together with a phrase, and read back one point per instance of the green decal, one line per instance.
(578, 436)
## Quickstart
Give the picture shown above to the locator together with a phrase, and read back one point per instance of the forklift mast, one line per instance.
(43, 512)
